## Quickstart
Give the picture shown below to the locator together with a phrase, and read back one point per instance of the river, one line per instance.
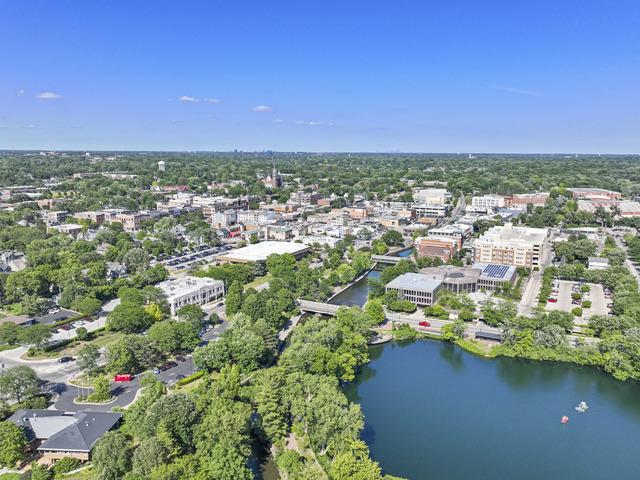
(434, 411)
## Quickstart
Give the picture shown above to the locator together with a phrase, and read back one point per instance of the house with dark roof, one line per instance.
(56, 434)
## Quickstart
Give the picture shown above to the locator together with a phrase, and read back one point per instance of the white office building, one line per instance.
(509, 245)
(191, 291)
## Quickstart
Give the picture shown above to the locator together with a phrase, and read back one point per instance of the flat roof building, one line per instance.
(191, 291)
(509, 245)
(416, 287)
(594, 193)
(260, 251)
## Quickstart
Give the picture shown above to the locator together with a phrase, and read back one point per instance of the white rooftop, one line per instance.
(180, 286)
(259, 252)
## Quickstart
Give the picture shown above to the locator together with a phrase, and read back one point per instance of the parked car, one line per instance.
(65, 359)
(424, 324)
(123, 377)
(552, 300)
(167, 366)
(180, 358)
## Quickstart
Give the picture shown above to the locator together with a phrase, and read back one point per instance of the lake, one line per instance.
(434, 411)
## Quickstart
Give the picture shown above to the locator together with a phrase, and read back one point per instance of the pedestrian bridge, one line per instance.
(386, 259)
(318, 307)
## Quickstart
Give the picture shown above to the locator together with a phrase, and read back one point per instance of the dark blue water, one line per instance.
(433, 411)
(356, 294)
(405, 253)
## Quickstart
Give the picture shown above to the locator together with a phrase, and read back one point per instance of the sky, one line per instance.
(454, 76)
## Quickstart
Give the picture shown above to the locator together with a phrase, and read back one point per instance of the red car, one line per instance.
(552, 300)
(424, 324)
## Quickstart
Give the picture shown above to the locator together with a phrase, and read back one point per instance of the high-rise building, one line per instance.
(509, 245)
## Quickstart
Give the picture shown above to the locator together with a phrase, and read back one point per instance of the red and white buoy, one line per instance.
(564, 419)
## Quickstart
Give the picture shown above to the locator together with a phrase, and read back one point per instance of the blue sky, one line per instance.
(350, 75)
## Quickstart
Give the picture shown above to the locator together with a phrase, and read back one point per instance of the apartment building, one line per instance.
(523, 199)
(444, 248)
(93, 217)
(223, 219)
(131, 222)
(432, 195)
(256, 217)
(509, 245)
(431, 210)
(487, 202)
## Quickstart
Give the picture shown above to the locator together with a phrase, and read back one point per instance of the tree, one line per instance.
(235, 346)
(112, 456)
(82, 333)
(132, 354)
(192, 314)
(346, 273)
(149, 455)
(9, 333)
(13, 444)
(136, 260)
(87, 359)
(129, 318)
(33, 305)
(272, 407)
(281, 266)
(393, 238)
(87, 305)
(101, 392)
(375, 311)
(225, 463)
(233, 302)
(171, 336)
(18, 383)
(172, 420)
(35, 335)
(39, 472)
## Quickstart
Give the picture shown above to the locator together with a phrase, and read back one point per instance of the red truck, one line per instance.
(123, 377)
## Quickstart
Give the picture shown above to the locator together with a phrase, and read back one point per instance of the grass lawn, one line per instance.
(101, 339)
(10, 476)
(189, 387)
(258, 281)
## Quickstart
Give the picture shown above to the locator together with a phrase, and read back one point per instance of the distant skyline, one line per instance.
(356, 76)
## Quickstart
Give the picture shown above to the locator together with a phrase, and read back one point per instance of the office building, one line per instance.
(191, 291)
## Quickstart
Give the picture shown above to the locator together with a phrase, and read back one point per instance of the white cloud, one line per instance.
(514, 90)
(20, 92)
(277, 120)
(48, 96)
(186, 98)
(262, 108)
(315, 124)
(212, 100)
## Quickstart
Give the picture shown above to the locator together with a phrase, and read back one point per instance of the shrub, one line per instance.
(65, 465)
(402, 306)
(577, 311)
(190, 378)
(586, 304)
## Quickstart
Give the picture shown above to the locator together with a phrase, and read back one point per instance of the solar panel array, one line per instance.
(495, 271)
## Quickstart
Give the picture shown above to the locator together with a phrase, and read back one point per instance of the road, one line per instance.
(58, 375)
(437, 324)
(529, 298)
(628, 263)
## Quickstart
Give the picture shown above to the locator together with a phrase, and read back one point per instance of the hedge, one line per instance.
(191, 378)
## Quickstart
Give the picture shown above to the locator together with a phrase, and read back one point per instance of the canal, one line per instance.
(434, 411)
(357, 293)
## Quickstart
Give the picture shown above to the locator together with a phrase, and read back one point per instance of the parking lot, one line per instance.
(566, 303)
(202, 254)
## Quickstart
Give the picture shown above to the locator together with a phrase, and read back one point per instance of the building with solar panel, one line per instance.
(494, 277)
